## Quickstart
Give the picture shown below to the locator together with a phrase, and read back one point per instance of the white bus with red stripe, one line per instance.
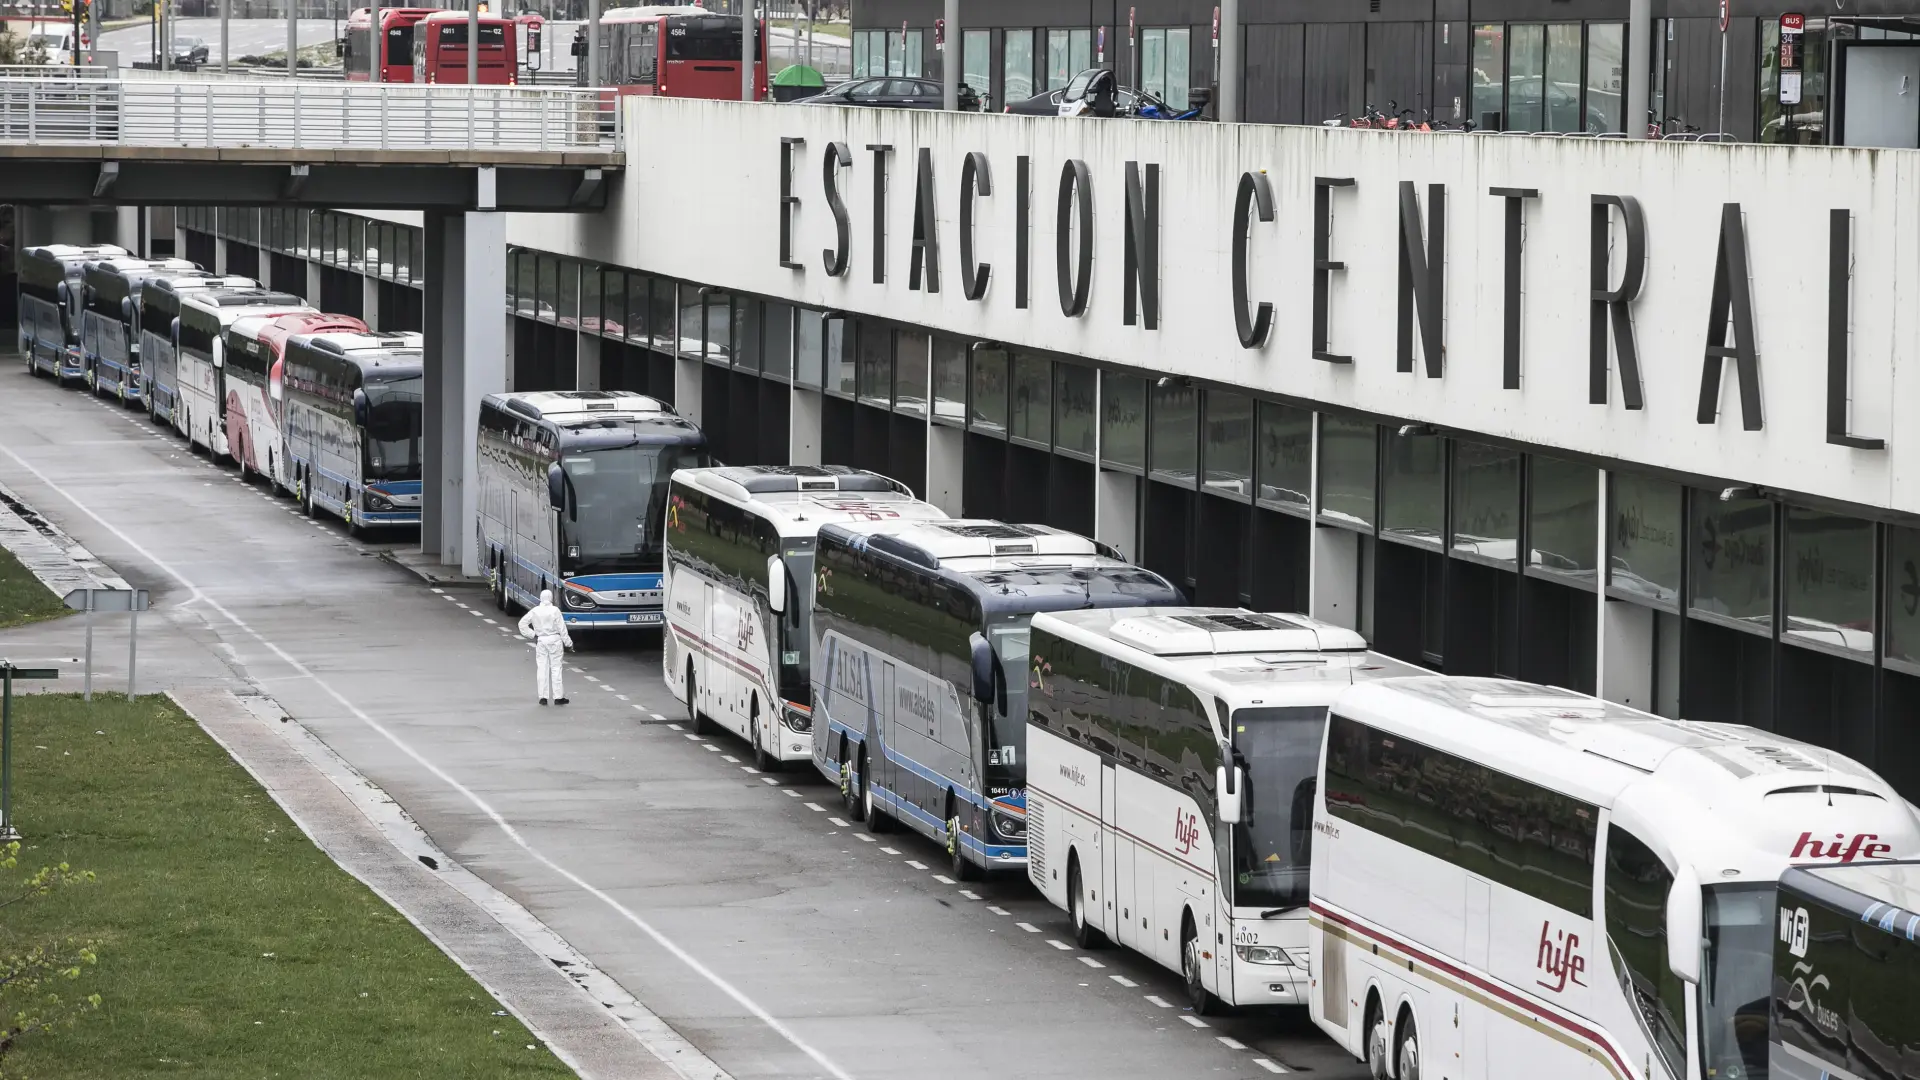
(256, 388)
(1513, 882)
(1133, 826)
(739, 591)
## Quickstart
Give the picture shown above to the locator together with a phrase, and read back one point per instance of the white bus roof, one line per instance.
(238, 304)
(191, 280)
(971, 545)
(562, 406)
(641, 14)
(1726, 796)
(798, 499)
(1247, 658)
(346, 342)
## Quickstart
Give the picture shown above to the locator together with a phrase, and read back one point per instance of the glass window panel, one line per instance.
(1228, 456)
(1563, 521)
(976, 62)
(1799, 121)
(613, 301)
(809, 347)
(1033, 398)
(1348, 449)
(914, 64)
(1732, 563)
(402, 253)
(1643, 556)
(1526, 70)
(1179, 67)
(910, 372)
(590, 298)
(1153, 62)
(1903, 596)
(1073, 407)
(1486, 501)
(1059, 60)
(1175, 446)
(418, 262)
(1829, 580)
(692, 329)
(987, 408)
(1285, 449)
(839, 357)
(949, 379)
(859, 54)
(569, 304)
(896, 53)
(776, 340)
(302, 224)
(1123, 420)
(717, 318)
(1563, 78)
(639, 307)
(526, 294)
(665, 312)
(356, 243)
(1413, 489)
(1016, 64)
(549, 308)
(874, 343)
(746, 333)
(1080, 50)
(1606, 75)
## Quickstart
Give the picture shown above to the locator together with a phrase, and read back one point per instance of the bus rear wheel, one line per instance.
(1406, 1056)
(1084, 933)
(1202, 1002)
(701, 725)
(849, 793)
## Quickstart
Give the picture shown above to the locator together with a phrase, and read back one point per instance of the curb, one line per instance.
(56, 559)
(432, 573)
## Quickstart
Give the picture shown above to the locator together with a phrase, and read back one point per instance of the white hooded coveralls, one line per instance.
(548, 629)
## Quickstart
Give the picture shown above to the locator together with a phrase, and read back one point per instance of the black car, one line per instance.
(189, 52)
(895, 93)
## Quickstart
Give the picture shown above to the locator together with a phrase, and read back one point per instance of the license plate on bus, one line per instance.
(644, 617)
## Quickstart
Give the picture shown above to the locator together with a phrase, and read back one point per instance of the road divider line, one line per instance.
(815, 807)
(865, 837)
(837, 821)
(1272, 1067)
(1194, 1021)
(916, 865)
(1124, 981)
(1058, 944)
(943, 879)
(1158, 1001)
(1028, 927)
(997, 910)
(665, 943)
(969, 894)
(1230, 1042)
(890, 851)
(1090, 961)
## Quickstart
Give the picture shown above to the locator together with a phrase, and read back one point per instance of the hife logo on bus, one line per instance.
(1560, 959)
(1186, 830)
(1859, 846)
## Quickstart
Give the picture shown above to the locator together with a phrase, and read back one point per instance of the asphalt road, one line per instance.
(740, 907)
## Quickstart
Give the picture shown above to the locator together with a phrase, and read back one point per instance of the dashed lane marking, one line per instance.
(890, 851)
(818, 809)
(1230, 1042)
(691, 735)
(969, 894)
(790, 793)
(916, 865)
(1028, 927)
(656, 716)
(943, 879)
(622, 697)
(670, 727)
(865, 837)
(1194, 1021)
(1157, 1000)
(1270, 1066)
(1090, 961)
(769, 780)
(1058, 944)
(709, 746)
(1124, 981)
(837, 821)
(998, 910)
(729, 758)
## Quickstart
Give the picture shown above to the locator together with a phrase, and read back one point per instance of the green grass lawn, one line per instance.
(22, 598)
(229, 945)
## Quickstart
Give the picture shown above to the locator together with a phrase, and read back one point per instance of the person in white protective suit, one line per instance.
(548, 629)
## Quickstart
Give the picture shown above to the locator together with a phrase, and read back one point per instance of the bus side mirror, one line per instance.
(126, 309)
(1683, 926)
(983, 668)
(219, 353)
(556, 487)
(776, 585)
(173, 333)
(1231, 784)
(362, 411)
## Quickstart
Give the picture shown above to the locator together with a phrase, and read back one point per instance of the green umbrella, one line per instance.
(797, 81)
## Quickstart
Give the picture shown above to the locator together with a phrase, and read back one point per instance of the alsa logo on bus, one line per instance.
(1860, 846)
(1560, 958)
(1186, 831)
(846, 679)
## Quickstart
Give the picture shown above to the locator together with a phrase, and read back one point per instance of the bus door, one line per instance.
(1115, 866)
(882, 712)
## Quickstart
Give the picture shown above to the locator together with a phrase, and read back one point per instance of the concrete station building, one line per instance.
(1620, 417)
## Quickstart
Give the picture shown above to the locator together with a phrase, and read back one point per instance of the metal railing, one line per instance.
(295, 114)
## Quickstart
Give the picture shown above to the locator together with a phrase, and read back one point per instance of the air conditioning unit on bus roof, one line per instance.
(1229, 630)
(996, 539)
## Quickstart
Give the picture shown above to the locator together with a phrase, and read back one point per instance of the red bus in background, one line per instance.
(357, 48)
(440, 50)
(672, 52)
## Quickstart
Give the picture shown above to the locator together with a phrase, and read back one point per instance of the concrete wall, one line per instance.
(728, 238)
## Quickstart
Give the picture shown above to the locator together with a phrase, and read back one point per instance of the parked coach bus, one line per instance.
(1171, 756)
(110, 321)
(200, 357)
(353, 422)
(920, 686)
(573, 498)
(256, 388)
(1846, 973)
(394, 63)
(49, 306)
(671, 52)
(1513, 882)
(440, 50)
(739, 591)
(159, 305)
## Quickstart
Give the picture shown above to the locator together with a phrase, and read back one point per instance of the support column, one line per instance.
(312, 292)
(449, 404)
(586, 353)
(1333, 584)
(803, 427)
(370, 301)
(482, 297)
(434, 362)
(219, 254)
(1116, 512)
(946, 460)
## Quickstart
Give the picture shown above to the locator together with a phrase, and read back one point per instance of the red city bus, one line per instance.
(672, 52)
(440, 50)
(357, 48)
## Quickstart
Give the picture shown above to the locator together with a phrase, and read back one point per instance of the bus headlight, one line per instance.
(1009, 827)
(378, 502)
(578, 601)
(1263, 954)
(795, 719)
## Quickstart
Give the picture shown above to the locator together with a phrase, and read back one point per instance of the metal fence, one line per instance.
(298, 114)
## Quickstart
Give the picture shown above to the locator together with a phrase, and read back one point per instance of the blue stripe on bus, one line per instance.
(395, 487)
(901, 807)
(930, 775)
(614, 582)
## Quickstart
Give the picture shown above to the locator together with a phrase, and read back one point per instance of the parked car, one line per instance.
(1127, 100)
(190, 52)
(893, 93)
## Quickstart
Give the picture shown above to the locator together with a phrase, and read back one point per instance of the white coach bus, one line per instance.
(739, 591)
(200, 357)
(159, 315)
(1171, 756)
(1512, 881)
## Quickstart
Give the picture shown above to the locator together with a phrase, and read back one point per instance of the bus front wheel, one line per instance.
(1407, 1055)
(763, 760)
(1202, 1002)
(1374, 1032)
(701, 725)
(849, 794)
(956, 855)
(876, 818)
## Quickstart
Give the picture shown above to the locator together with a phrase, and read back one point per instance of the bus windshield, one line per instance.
(393, 429)
(1736, 980)
(617, 498)
(1273, 843)
(795, 649)
(1011, 637)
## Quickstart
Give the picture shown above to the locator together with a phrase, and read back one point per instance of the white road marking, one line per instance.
(438, 592)
(1270, 1066)
(727, 757)
(837, 821)
(1159, 1001)
(506, 827)
(656, 716)
(709, 746)
(1058, 944)
(969, 894)
(622, 697)
(691, 735)
(1124, 981)
(750, 770)
(916, 865)
(769, 780)
(607, 688)
(589, 678)
(890, 851)
(943, 879)
(787, 791)
(1090, 961)
(865, 837)
(1230, 1042)
(1194, 1021)
(818, 809)
(1028, 927)
(997, 910)
(670, 727)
